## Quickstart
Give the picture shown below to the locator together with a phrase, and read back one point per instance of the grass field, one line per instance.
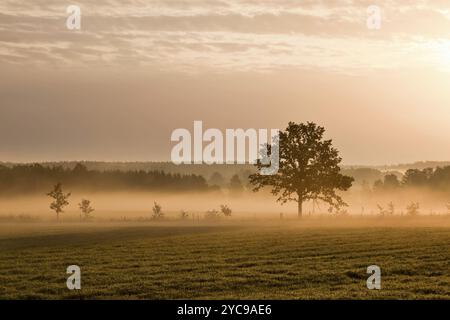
(289, 260)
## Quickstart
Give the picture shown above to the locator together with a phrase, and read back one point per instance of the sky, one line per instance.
(137, 70)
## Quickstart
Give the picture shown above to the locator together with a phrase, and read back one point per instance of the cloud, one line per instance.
(223, 35)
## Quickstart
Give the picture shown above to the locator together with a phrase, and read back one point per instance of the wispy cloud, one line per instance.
(225, 35)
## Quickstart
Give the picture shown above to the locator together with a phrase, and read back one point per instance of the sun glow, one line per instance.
(440, 51)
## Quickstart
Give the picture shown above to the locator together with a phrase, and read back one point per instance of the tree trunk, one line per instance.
(57, 216)
(300, 206)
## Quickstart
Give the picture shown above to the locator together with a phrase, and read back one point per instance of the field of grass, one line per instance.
(280, 260)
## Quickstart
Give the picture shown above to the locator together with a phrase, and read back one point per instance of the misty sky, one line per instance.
(137, 70)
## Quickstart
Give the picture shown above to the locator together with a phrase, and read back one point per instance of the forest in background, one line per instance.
(165, 176)
(37, 178)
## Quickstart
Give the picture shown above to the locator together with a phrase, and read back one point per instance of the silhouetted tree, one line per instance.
(225, 210)
(382, 211)
(60, 199)
(308, 168)
(417, 178)
(386, 212)
(440, 179)
(389, 183)
(86, 209)
(391, 209)
(413, 209)
(157, 212)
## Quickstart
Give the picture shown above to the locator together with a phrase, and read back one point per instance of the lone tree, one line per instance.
(158, 214)
(225, 210)
(391, 208)
(413, 209)
(60, 199)
(86, 209)
(308, 168)
(383, 212)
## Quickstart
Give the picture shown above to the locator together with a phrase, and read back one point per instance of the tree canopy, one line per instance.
(308, 168)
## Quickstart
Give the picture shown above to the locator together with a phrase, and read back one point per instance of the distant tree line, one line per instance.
(35, 178)
(205, 170)
(437, 179)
